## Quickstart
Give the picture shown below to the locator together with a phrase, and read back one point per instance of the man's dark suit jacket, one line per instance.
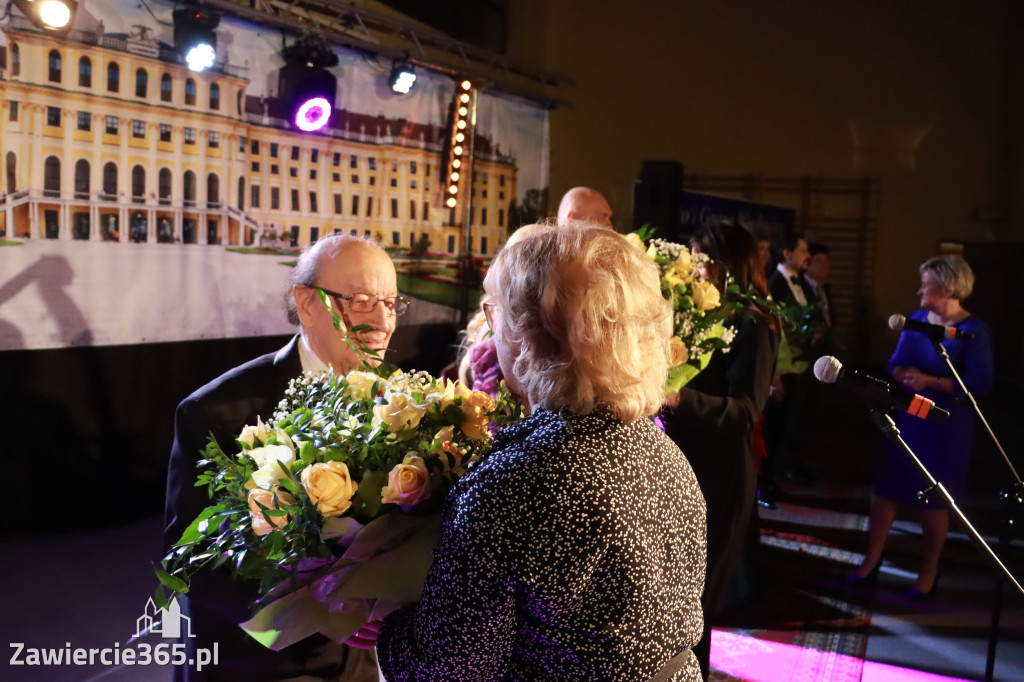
(215, 603)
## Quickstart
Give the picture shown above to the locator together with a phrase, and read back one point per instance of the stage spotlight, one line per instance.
(402, 79)
(50, 15)
(194, 36)
(305, 88)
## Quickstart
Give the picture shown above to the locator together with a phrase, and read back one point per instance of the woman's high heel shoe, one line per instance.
(914, 594)
(854, 580)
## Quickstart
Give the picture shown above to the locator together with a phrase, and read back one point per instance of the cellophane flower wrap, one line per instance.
(699, 309)
(332, 507)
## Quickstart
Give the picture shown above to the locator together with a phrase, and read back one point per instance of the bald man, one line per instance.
(583, 203)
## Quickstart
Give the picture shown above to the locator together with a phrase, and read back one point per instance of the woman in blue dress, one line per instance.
(943, 447)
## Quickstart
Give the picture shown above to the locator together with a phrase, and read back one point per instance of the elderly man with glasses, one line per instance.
(359, 278)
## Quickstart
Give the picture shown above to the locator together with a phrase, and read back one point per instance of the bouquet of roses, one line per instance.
(698, 307)
(333, 505)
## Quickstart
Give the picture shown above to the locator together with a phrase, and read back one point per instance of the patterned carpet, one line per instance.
(810, 627)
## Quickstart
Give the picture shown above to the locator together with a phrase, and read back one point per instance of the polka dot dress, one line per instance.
(574, 551)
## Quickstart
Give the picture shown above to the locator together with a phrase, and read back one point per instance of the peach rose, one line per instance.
(443, 394)
(476, 422)
(678, 353)
(330, 486)
(261, 525)
(401, 412)
(408, 483)
(360, 384)
(705, 295)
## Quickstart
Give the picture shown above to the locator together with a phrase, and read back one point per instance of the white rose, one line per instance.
(401, 412)
(269, 459)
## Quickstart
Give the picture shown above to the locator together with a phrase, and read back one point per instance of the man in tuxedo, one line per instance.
(787, 284)
(360, 278)
(785, 417)
(583, 203)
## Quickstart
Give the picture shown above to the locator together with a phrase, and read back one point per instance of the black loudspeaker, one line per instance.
(656, 197)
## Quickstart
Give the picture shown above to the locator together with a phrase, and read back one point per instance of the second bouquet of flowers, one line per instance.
(333, 505)
(699, 309)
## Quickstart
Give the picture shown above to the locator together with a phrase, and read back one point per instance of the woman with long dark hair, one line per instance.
(713, 421)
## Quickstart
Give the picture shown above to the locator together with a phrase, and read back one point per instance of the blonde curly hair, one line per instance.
(585, 309)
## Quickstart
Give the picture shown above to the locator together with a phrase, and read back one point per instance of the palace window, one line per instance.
(190, 92)
(112, 125)
(84, 120)
(165, 132)
(85, 72)
(53, 116)
(213, 139)
(113, 77)
(214, 96)
(166, 88)
(55, 66)
(141, 82)
(109, 180)
(190, 135)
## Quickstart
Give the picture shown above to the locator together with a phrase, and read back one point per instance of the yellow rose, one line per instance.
(400, 412)
(677, 351)
(676, 278)
(444, 394)
(330, 486)
(634, 239)
(684, 263)
(260, 523)
(705, 295)
(251, 434)
(408, 483)
(475, 422)
(269, 460)
(360, 384)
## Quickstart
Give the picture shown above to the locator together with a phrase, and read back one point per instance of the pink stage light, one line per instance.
(762, 659)
(313, 114)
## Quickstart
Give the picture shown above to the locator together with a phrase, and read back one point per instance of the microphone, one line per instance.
(935, 332)
(828, 370)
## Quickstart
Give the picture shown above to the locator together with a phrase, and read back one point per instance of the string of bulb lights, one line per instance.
(461, 127)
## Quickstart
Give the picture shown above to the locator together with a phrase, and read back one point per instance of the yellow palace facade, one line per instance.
(109, 138)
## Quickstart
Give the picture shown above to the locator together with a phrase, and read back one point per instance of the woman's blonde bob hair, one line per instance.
(953, 273)
(585, 309)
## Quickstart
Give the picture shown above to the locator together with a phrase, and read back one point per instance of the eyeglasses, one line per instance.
(491, 314)
(366, 303)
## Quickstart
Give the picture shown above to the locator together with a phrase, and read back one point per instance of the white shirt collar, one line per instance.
(311, 363)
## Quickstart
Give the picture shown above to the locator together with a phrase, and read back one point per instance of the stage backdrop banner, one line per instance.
(142, 202)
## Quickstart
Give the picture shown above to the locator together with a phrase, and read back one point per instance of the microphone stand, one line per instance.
(888, 428)
(1012, 502)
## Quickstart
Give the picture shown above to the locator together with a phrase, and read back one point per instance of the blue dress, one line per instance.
(943, 447)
